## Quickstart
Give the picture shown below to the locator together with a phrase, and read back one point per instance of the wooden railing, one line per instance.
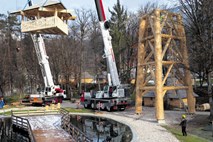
(76, 133)
(24, 125)
(33, 112)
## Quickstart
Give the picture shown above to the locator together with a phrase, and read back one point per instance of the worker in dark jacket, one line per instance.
(183, 125)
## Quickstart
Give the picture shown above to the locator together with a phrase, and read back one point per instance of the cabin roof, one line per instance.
(180, 94)
(32, 11)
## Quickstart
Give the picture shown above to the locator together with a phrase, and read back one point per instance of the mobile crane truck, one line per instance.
(113, 96)
(52, 93)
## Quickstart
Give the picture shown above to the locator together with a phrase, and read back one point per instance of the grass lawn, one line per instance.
(5, 113)
(181, 138)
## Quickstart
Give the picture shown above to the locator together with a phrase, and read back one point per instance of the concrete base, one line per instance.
(161, 121)
(138, 113)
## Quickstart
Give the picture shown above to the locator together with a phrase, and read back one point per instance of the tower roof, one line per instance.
(46, 9)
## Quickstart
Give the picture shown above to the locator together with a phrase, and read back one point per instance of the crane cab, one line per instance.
(47, 18)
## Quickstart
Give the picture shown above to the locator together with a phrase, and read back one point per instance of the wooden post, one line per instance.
(56, 12)
(140, 72)
(188, 81)
(38, 15)
(158, 70)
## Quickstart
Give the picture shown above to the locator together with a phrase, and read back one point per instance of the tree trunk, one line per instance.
(210, 94)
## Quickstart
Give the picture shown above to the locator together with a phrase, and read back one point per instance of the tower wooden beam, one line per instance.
(158, 69)
(162, 56)
(140, 75)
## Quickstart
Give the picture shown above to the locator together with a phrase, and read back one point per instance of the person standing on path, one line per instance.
(183, 125)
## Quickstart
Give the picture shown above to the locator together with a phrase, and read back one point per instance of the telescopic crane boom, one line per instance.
(113, 95)
(108, 50)
(43, 59)
(52, 92)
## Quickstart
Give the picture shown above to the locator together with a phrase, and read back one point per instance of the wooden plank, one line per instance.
(147, 38)
(171, 36)
(167, 73)
(140, 74)
(50, 25)
(164, 21)
(158, 68)
(166, 47)
(188, 81)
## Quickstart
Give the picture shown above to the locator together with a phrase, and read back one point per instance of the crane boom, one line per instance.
(42, 57)
(113, 96)
(108, 50)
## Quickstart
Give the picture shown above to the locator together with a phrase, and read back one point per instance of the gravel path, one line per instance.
(143, 130)
(144, 127)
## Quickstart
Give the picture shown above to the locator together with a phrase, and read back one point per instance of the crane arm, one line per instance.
(109, 54)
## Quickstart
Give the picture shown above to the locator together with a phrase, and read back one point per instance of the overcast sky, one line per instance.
(130, 5)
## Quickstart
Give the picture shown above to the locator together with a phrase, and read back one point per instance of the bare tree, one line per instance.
(96, 42)
(83, 27)
(199, 24)
(9, 66)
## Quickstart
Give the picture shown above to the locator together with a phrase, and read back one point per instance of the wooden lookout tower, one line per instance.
(162, 58)
(46, 18)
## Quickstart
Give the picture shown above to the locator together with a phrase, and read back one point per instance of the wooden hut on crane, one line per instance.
(47, 18)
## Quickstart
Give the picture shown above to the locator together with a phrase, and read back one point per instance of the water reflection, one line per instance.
(5, 129)
(9, 133)
(101, 129)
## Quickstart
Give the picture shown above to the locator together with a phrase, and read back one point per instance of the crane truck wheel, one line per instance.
(122, 108)
(60, 100)
(86, 106)
(109, 108)
(102, 106)
(93, 106)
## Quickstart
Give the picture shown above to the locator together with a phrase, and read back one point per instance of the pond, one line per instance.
(100, 129)
(6, 133)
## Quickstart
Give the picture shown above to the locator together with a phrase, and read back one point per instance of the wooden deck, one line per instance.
(47, 128)
(51, 136)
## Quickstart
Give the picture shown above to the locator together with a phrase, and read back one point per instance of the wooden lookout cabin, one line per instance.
(47, 18)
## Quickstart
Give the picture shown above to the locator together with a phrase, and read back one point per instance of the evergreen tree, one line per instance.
(118, 32)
